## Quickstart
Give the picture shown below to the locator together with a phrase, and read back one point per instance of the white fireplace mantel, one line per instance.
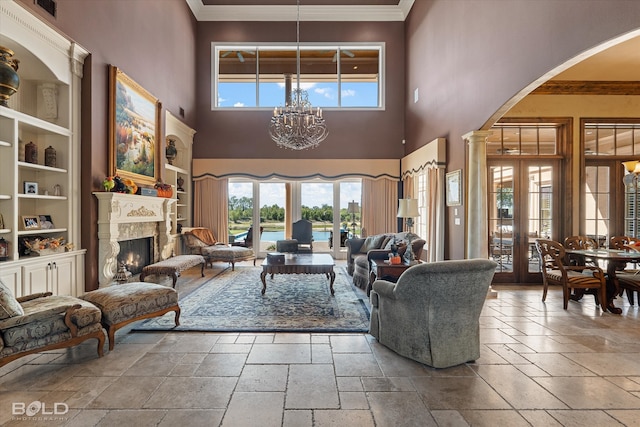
(129, 216)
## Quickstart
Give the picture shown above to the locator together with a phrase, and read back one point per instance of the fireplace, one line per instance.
(136, 253)
(125, 218)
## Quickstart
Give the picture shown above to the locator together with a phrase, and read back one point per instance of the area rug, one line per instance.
(232, 302)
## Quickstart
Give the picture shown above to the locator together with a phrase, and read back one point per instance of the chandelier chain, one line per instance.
(297, 126)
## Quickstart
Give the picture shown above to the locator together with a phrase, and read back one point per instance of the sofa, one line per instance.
(360, 251)
(41, 322)
(432, 315)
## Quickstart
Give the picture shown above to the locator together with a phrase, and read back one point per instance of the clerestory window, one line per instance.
(262, 76)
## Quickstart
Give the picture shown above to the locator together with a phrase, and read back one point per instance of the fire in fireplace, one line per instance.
(136, 254)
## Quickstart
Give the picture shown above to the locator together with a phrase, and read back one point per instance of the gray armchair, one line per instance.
(432, 314)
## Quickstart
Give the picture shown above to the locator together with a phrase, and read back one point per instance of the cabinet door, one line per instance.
(37, 278)
(12, 278)
(63, 275)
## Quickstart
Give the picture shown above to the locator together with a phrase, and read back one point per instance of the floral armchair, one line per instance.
(41, 322)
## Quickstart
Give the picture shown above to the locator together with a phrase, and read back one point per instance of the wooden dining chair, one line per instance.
(556, 271)
(628, 279)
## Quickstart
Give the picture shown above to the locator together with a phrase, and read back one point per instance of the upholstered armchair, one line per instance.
(432, 314)
(41, 322)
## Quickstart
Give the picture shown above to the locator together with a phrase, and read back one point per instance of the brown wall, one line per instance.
(468, 58)
(352, 134)
(153, 42)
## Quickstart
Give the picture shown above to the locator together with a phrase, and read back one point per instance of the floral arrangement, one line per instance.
(49, 244)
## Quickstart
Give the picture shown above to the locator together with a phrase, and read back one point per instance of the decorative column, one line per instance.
(477, 221)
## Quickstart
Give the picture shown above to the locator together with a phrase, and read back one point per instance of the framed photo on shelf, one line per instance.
(454, 188)
(30, 222)
(45, 222)
(134, 130)
(30, 187)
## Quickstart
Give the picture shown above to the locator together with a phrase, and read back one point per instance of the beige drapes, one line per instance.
(379, 206)
(435, 214)
(210, 206)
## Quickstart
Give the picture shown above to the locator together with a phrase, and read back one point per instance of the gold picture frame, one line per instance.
(454, 188)
(134, 130)
(30, 222)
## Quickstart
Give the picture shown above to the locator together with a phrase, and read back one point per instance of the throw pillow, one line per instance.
(9, 306)
(372, 242)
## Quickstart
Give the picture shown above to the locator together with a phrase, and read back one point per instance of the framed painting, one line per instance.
(134, 130)
(454, 188)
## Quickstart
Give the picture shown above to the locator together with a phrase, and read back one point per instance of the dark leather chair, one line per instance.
(248, 241)
(302, 231)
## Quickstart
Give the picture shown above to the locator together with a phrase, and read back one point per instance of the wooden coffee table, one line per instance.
(300, 264)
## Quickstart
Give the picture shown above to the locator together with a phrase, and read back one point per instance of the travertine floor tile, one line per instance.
(589, 393)
(280, 353)
(399, 409)
(126, 392)
(221, 365)
(311, 387)
(356, 365)
(351, 418)
(263, 378)
(192, 417)
(248, 409)
(192, 393)
(458, 393)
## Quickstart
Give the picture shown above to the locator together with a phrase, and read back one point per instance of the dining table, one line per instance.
(615, 259)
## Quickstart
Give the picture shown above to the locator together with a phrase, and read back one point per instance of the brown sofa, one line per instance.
(361, 250)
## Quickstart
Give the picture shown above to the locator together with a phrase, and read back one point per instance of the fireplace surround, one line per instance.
(126, 217)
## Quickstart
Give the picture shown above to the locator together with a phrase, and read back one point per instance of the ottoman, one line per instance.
(230, 254)
(123, 304)
(289, 245)
(173, 266)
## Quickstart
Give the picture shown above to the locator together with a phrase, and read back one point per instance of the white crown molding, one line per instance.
(307, 13)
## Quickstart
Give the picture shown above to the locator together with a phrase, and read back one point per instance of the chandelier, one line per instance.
(298, 126)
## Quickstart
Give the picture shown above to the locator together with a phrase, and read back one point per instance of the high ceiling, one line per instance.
(619, 62)
(310, 10)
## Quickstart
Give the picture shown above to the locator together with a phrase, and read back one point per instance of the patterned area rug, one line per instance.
(232, 302)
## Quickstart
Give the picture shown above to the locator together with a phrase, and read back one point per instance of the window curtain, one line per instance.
(427, 186)
(379, 206)
(435, 214)
(211, 206)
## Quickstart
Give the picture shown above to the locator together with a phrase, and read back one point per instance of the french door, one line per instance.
(524, 204)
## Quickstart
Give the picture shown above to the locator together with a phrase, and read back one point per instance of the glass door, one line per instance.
(523, 206)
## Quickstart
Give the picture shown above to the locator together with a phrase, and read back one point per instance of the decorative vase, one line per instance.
(171, 151)
(180, 182)
(50, 157)
(31, 153)
(9, 79)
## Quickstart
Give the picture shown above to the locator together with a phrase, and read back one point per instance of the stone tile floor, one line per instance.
(540, 365)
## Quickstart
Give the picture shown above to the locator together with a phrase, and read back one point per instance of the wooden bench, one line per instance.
(173, 266)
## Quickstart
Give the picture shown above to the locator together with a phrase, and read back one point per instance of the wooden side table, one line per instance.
(386, 271)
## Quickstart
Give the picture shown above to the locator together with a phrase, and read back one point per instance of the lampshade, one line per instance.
(408, 208)
(631, 165)
(353, 208)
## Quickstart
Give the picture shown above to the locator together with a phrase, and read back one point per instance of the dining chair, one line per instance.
(628, 279)
(556, 271)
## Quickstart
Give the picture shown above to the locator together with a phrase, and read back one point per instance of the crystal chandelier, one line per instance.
(297, 126)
